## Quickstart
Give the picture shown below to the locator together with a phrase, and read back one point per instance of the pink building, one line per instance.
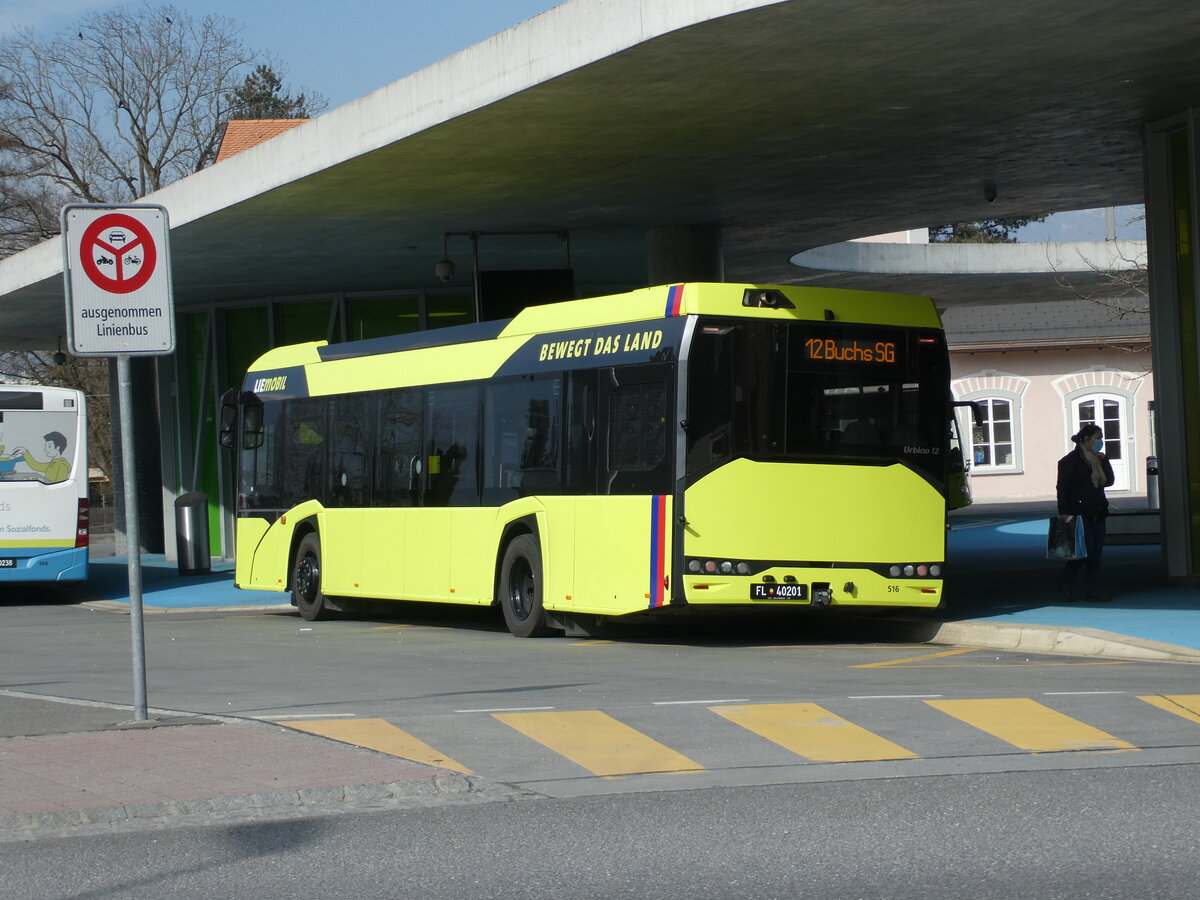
(1040, 370)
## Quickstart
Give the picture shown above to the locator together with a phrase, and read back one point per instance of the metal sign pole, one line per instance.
(117, 281)
(133, 535)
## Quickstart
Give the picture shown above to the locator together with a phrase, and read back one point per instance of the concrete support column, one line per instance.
(1172, 216)
(684, 253)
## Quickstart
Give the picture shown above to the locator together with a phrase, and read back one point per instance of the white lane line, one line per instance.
(316, 715)
(683, 702)
(506, 709)
(1077, 693)
(893, 697)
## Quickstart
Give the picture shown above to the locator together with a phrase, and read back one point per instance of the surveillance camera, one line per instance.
(989, 193)
(444, 269)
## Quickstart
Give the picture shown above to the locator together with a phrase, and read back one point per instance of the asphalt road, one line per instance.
(1108, 833)
(954, 772)
(701, 705)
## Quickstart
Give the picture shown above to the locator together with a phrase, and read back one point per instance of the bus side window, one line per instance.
(522, 438)
(580, 452)
(453, 451)
(304, 452)
(348, 465)
(252, 424)
(637, 434)
(399, 465)
(638, 409)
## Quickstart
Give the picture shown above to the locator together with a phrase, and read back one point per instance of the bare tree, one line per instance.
(1125, 289)
(1122, 286)
(121, 105)
(28, 207)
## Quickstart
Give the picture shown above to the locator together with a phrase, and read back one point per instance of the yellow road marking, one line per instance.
(813, 732)
(913, 659)
(1185, 705)
(378, 734)
(598, 742)
(1029, 725)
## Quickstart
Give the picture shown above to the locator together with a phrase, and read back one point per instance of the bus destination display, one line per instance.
(850, 350)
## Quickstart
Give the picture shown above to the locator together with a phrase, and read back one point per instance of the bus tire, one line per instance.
(306, 580)
(521, 588)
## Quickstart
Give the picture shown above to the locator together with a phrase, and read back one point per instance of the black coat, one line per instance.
(1076, 493)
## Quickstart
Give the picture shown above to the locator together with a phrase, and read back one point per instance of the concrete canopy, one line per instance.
(790, 124)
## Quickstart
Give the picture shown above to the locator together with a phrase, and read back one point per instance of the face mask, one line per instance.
(1097, 446)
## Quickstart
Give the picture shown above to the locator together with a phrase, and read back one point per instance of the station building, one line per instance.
(698, 141)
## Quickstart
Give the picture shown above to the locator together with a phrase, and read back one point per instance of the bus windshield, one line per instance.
(816, 391)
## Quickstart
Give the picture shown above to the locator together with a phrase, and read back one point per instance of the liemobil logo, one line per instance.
(266, 385)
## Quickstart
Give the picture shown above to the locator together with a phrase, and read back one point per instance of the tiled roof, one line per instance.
(1060, 322)
(242, 134)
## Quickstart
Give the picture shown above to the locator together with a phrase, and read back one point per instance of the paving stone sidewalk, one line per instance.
(84, 768)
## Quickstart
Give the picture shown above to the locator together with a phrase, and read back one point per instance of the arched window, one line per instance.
(994, 440)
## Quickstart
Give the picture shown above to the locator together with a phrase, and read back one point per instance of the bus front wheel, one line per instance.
(521, 588)
(306, 580)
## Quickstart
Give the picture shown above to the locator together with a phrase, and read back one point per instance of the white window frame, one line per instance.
(1017, 466)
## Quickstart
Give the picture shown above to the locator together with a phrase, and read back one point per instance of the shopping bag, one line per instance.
(1065, 540)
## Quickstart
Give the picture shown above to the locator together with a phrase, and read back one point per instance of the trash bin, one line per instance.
(191, 534)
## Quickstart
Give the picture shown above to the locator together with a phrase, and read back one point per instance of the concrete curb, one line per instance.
(269, 806)
(148, 606)
(1056, 639)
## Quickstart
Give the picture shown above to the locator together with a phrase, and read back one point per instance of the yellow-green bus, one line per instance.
(683, 446)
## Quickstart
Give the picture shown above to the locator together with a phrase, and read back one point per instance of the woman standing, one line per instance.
(1083, 474)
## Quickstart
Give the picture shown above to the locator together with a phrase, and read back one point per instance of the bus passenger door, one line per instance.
(347, 494)
(397, 473)
(449, 489)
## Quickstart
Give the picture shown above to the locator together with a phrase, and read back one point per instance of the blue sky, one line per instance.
(1086, 225)
(340, 48)
(345, 49)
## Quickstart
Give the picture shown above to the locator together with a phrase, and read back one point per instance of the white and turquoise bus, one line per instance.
(43, 484)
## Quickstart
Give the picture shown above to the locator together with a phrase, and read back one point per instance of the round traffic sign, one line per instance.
(118, 254)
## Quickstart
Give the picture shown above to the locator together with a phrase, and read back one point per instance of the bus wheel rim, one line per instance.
(521, 589)
(307, 576)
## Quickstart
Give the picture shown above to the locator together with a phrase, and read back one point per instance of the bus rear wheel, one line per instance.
(521, 588)
(306, 580)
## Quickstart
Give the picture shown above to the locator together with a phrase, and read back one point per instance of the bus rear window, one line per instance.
(812, 390)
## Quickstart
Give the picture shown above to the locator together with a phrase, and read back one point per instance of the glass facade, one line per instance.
(372, 317)
(210, 364)
(304, 321)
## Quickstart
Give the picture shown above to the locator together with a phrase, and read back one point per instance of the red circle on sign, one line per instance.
(95, 246)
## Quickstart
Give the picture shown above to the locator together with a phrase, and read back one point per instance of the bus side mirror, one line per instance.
(227, 432)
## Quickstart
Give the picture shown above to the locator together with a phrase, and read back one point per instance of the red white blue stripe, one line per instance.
(658, 550)
(674, 300)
